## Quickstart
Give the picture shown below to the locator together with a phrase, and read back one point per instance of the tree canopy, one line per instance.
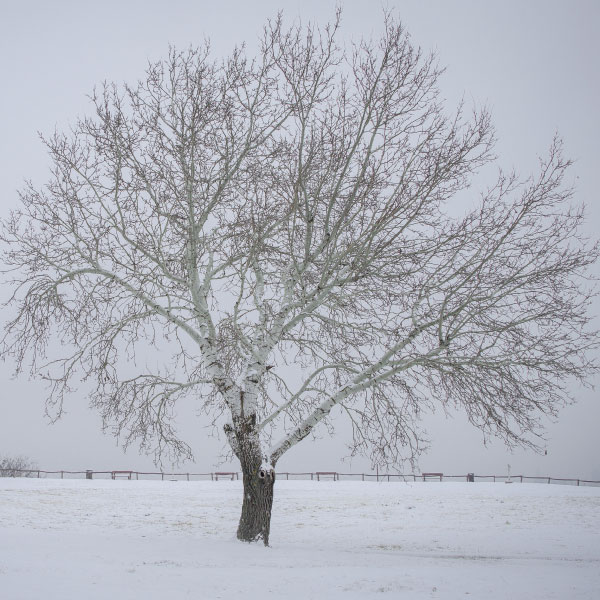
(285, 230)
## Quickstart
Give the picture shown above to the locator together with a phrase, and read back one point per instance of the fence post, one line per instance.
(62, 473)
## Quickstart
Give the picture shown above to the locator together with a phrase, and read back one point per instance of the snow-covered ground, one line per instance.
(120, 540)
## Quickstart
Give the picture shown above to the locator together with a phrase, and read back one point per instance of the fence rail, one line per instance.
(317, 475)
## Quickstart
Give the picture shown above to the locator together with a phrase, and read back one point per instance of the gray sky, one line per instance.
(535, 64)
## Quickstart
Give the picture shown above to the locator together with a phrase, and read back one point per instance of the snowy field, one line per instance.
(78, 539)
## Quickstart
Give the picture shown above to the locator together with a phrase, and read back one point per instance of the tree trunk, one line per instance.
(255, 521)
(259, 479)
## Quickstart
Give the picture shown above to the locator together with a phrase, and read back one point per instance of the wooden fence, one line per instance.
(317, 475)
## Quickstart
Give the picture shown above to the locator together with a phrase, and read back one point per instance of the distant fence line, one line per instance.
(315, 476)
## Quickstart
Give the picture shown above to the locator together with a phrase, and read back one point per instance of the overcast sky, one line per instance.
(535, 64)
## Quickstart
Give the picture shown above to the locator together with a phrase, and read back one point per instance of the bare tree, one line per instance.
(16, 466)
(281, 229)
